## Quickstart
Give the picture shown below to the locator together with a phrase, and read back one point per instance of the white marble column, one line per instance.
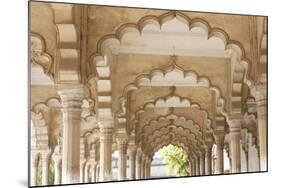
(106, 130)
(71, 99)
(197, 165)
(58, 165)
(208, 160)
(262, 131)
(82, 170)
(143, 167)
(45, 168)
(138, 165)
(122, 160)
(235, 136)
(202, 161)
(219, 153)
(87, 169)
(94, 172)
(132, 157)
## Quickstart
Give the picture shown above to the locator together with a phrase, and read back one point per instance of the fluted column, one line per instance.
(122, 160)
(235, 136)
(202, 161)
(45, 169)
(58, 165)
(138, 165)
(219, 153)
(132, 158)
(106, 129)
(208, 159)
(71, 99)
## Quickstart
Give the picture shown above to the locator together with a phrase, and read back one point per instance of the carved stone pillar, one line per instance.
(219, 153)
(197, 165)
(235, 136)
(208, 159)
(71, 99)
(138, 165)
(132, 157)
(87, 169)
(148, 168)
(122, 160)
(143, 161)
(262, 129)
(106, 130)
(202, 161)
(58, 165)
(45, 168)
(94, 172)
(82, 171)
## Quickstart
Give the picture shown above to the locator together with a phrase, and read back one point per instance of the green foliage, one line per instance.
(52, 173)
(177, 160)
(51, 179)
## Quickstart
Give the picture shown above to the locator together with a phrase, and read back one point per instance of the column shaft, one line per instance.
(122, 160)
(105, 154)
(58, 172)
(132, 158)
(71, 113)
(45, 170)
(219, 154)
(202, 162)
(138, 166)
(208, 160)
(235, 149)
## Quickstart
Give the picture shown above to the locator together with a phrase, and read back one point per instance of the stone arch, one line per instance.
(240, 64)
(39, 56)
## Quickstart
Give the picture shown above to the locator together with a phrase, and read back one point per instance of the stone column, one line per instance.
(132, 158)
(262, 131)
(138, 165)
(208, 159)
(219, 153)
(94, 170)
(58, 163)
(98, 173)
(143, 166)
(82, 171)
(148, 166)
(202, 161)
(71, 100)
(197, 165)
(122, 160)
(45, 168)
(106, 129)
(191, 160)
(235, 136)
(34, 171)
(87, 168)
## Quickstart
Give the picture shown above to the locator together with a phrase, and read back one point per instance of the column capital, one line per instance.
(122, 141)
(235, 124)
(71, 96)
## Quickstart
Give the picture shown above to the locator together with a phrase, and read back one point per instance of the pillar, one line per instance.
(106, 129)
(82, 171)
(132, 157)
(235, 135)
(202, 161)
(262, 131)
(71, 99)
(197, 165)
(45, 169)
(94, 172)
(138, 165)
(143, 166)
(148, 168)
(58, 163)
(208, 159)
(219, 167)
(87, 169)
(122, 160)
